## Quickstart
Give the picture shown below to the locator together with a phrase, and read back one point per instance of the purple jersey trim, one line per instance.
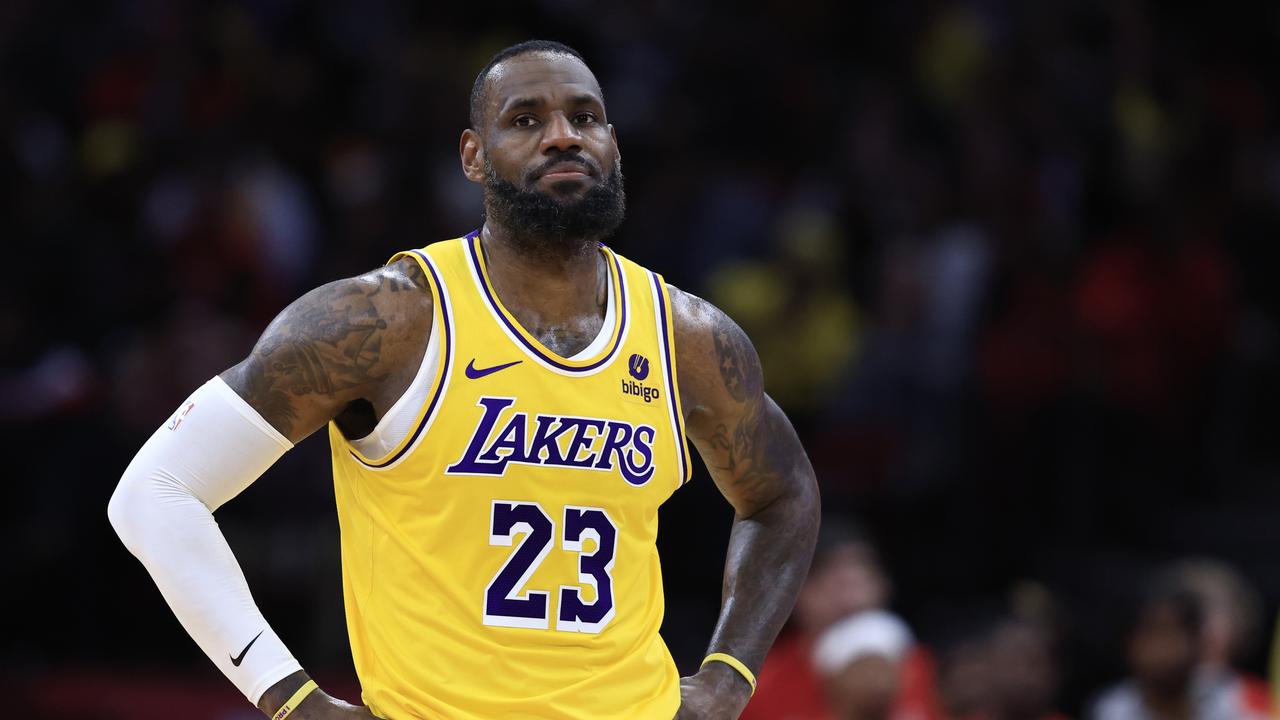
(669, 369)
(553, 360)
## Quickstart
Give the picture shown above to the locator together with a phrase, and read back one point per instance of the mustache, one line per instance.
(593, 167)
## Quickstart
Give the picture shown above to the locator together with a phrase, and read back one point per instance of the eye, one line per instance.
(584, 118)
(524, 121)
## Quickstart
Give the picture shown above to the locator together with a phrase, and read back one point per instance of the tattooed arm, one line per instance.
(758, 464)
(345, 351)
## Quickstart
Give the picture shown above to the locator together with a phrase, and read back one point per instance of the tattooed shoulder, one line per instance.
(743, 438)
(403, 275)
(718, 367)
(334, 345)
(712, 348)
(736, 360)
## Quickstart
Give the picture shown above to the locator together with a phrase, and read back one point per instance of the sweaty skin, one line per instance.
(348, 350)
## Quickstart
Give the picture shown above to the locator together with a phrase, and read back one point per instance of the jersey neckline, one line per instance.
(531, 345)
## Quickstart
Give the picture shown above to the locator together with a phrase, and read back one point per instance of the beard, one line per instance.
(548, 226)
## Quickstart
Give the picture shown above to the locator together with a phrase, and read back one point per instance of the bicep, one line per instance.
(748, 444)
(331, 347)
(755, 456)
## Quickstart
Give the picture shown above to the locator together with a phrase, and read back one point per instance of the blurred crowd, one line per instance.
(847, 656)
(1004, 263)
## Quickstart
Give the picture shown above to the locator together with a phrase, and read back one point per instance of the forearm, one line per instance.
(759, 465)
(162, 510)
(768, 558)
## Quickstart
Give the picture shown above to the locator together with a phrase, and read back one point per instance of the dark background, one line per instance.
(1008, 266)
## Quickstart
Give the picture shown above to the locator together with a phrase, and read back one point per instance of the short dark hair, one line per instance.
(479, 89)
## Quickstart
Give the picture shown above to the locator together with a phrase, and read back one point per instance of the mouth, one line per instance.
(567, 170)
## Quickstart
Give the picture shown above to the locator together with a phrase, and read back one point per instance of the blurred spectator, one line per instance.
(1165, 648)
(1003, 668)
(1024, 673)
(964, 676)
(1153, 315)
(844, 656)
(1231, 629)
(860, 660)
(59, 381)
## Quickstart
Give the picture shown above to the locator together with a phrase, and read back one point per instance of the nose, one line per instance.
(560, 134)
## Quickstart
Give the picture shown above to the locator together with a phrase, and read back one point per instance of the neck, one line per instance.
(560, 298)
(545, 259)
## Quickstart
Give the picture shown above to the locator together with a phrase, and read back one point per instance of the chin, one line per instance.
(562, 188)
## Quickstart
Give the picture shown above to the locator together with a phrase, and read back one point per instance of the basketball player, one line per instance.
(506, 411)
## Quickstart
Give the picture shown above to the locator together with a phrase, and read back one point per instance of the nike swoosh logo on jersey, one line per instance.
(240, 658)
(476, 374)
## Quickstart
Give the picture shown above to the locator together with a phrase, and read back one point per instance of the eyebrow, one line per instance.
(585, 99)
(522, 103)
(531, 101)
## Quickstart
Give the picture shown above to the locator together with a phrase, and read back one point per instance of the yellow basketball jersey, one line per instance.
(501, 561)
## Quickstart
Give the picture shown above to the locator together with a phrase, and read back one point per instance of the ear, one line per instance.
(617, 150)
(471, 152)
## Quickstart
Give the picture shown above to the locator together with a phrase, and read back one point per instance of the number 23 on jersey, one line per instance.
(506, 601)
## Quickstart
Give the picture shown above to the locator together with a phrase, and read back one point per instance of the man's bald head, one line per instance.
(480, 89)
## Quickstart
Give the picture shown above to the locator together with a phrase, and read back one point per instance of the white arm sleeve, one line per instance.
(213, 447)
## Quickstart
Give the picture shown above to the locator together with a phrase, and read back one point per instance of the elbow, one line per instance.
(811, 501)
(806, 504)
(804, 496)
(118, 510)
(799, 502)
(124, 511)
(814, 497)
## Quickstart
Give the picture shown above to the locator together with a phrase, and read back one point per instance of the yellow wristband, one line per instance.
(295, 701)
(734, 663)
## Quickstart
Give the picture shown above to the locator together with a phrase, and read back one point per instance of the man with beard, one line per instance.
(506, 412)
